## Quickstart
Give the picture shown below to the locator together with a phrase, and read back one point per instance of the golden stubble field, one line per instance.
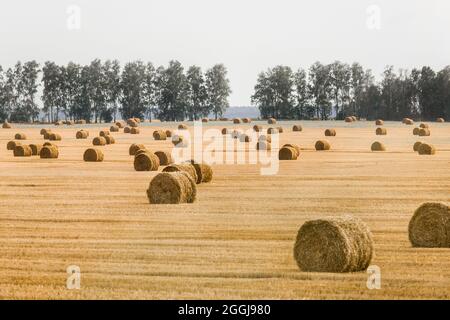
(236, 240)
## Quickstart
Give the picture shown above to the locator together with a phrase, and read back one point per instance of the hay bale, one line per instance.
(12, 144)
(110, 139)
(257, 128)
(287, 153)
(6, 125)
(378, 146)
(54, 137)
(225, 131)
(99, 141)
(172, 188)
(424, 125)
(159, 135)
(22, 151)
(246, 120)
(330, 132)
(416, 131)
(205, 120)
(237, 120)
(322, 145)
(49, 144)
(426, 149)
(263, 145)
(104, 133)
(440, 120)
(423, 132)
(296, 147)
(114, 128)
(93, 155)
(35, 149)
(348, 119)
(184, 167)
(134, 148)
(44, 131)
(168, 133)
(379, 122)
(137, 120)
(132, 122)
(342, 244)
(49, 152)
(182, 127)
(204, 172)
(265, 138)
(429, 226)
(272, 131)
(381, 131)
(20, 136)
(165, 158)
(280, 129)
(127, 130)
(141, 151)
(146, 161)
(244, 138)
(297, 128)
(417, 145)
(81, 134)
(134, 130)
(119, 124)
(271, 121)
(409, 121)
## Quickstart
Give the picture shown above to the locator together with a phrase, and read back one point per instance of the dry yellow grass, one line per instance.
(214, 248)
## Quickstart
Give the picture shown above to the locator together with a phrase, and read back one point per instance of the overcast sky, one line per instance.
(248, 36)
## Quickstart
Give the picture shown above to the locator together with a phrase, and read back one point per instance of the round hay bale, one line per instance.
(35, 149)
(141, 151)
(182, 127)
(271, 121)
(114, 128)
(423, 132)
(257, 128)
(134, 148)
(378, 146)
(47, 135)
(237, 120)
(424, 125)
(287, 153)
(165, 158)
(49, 144)
(322, 145)
(168, 133)
(244, 138)
(104, 133)
(348, 119)
(126, 130)
(134, 130)
(185, 167)
(119, 124)
(379, 122)
(354, 118)
(342, 244)
(296, 147)
(159, 135)
(22, 151)
(263, 145)
(99, 141)
(429, 226)
(265, 138)
(20, 136)
(272, 131)
(138, 120)
(12, 144)
(44, 131)
(54, 137)
(417, 145)
(132, 123)
(426, 149)
(225, 131)
(172, 188)
(297, 128)
(204, 172)
(93, 155)
(416, 131)
(81, 134)
(409, 121)
(330, 132)
(110, 139)
(280, 129)
(49, 152)
(381, 131)
(146, 161)
(6, 125)
(440, 120)
(205, 120)
(246, 120)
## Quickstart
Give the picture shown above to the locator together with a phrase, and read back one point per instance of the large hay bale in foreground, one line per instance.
(54, 137)
(81, 134)
(424, 132)
(184, 167)
(35, 149)
(440, 120)
(172, 188)
(204, 172)
(114, 128)
(330, 132)
(424, 125)
(426, 149)
(297, 128)
(6, 125)
(99, 141)
(20, 136)
(429, 227)
(237, 120)
(22, 151)
(271, 121)
(182, 127)
(381, 131)
(287, 153)
(342, 244)
(322, 145)
(379, 122)
(110, 139)
(417, 145)
(12, 144)
(348, 119)
(159, 135)
(93, 155)
(146, 161)
(378, 146)
(257, 128)
(416, 131)
(165, 158)
(134, 148)
(134, 130)
(49, 152)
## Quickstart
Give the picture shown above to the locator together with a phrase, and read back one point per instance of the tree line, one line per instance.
(101, 91)
(338, 90)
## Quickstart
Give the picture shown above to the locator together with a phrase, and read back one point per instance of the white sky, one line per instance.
(248, 36)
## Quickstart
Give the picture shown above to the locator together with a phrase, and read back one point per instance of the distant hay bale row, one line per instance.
(322, 145)
(159, 135)
(93, 155)
(81, 121)
(330, 132)
(172, 188)
(381, 131)
(297, 128)
(429, 226)
(378, 146)
(342, 244)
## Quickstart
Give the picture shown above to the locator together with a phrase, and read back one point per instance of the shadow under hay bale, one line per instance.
(184, 167)
(378, 146)
(93, 155)
(426, 149)
(342, 244)
(165, 158)
(330, 132)
(381, 131)
(429, 227)
(322, 145)
(172, 188)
